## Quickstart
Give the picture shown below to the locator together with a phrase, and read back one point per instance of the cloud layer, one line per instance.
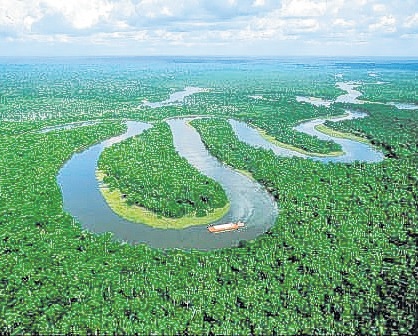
(249, 27)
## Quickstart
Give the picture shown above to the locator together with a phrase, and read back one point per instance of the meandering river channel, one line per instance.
(249, 201)
(353, 150)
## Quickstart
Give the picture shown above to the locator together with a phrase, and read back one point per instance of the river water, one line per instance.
(314, 101)
(249, 201)
(404, 106)
(175, 97)
(353, 150)
(351, 95)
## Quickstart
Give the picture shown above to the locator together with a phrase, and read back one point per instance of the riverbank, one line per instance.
(85, 201)
(274, 141)
(336, 134)
(246, 173)
(152, 174)
(142, 215)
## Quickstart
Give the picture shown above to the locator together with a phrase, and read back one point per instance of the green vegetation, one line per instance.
(281, 117)
(393, 130)
(89, 91)
(327, 130)
(395, 88)
(296, 149)
(277, 116)
(341, 257)
(116, 200)
(150, 174)
(327, 211)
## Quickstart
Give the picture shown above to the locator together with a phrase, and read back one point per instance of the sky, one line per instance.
(209, 27)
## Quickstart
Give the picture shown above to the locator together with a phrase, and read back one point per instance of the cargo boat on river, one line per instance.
(225, 227)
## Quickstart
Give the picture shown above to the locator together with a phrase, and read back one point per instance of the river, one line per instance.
(249, 201)
(353, 150)
(175, 97)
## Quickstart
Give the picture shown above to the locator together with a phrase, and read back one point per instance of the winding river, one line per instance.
(353, 150)
(250, 202)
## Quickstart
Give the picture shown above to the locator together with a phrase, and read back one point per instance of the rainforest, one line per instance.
(112, 168)
(176, 193)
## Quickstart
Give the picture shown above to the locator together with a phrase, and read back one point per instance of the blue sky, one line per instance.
(209, 27)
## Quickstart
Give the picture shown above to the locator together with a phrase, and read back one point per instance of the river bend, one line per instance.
(249, 201)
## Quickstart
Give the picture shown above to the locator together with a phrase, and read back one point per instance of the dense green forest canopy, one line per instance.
(392, 129)
(150, 174)
(339, 259)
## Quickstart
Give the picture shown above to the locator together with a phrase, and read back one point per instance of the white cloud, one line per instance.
(166, 11)
(379, 7)
(80, 14)
(53, 38)
(303, 8)
(409, 36)
(411, 21)
(259, 3)
(28, 21)
(343, 23)
(124, 8)
(18, 16)
(359, 2)
(272, 21)
(385, 24)
(157, 23)
(158, 9)
(303, 26)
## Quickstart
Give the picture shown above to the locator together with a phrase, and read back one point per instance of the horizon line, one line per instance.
(213, 56)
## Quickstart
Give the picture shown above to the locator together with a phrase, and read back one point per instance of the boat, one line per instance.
(225, 227)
